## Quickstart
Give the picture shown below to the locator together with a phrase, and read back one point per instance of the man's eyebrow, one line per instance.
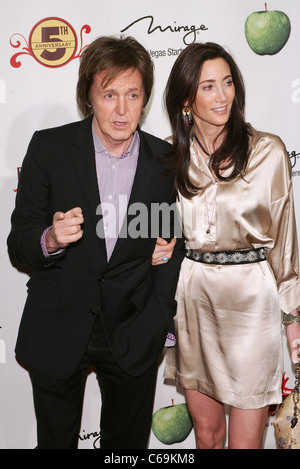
(113, 90)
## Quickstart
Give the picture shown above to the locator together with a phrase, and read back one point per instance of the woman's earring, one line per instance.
(187, 116)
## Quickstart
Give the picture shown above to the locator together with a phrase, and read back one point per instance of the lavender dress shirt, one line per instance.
(115, 176)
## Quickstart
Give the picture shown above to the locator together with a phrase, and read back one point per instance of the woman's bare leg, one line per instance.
(209, 421)
(246, 428)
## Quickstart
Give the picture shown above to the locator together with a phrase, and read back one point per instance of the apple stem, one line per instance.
(172, 401)
(266, 6)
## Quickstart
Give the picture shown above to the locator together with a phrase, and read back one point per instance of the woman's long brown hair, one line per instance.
(182, 88)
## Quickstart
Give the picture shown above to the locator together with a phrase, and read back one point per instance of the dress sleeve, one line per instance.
(284, 256)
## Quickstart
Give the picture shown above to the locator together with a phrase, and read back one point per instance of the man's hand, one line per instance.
(66, 229)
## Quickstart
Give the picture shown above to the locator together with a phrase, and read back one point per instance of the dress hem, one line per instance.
(256, 401)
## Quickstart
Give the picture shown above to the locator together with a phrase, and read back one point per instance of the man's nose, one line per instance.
(121, 105)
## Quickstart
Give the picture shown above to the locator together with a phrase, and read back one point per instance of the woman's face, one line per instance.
(215, 95)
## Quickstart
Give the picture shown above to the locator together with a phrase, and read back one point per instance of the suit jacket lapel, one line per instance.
(86, 169)
(143, 173)
(140, 187)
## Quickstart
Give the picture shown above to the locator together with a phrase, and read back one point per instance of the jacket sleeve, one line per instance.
(165, 276)
(31, 216)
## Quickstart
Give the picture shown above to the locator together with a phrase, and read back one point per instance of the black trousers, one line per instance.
(126, 402)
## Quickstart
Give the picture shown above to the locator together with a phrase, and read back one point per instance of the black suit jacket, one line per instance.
(134, 299)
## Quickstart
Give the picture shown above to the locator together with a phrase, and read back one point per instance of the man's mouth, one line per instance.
(120, 124)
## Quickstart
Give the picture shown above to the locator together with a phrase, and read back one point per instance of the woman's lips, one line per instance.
(220, 110)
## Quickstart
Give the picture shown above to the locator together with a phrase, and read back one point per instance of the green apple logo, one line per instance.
(267, 31)
(172, 424)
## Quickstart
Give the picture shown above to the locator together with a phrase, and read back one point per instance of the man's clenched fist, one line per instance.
(66, 229)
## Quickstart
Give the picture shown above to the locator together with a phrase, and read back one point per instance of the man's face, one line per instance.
(117, 109)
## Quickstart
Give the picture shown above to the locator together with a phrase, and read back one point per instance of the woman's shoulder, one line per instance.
(264, 139)
(269, 150)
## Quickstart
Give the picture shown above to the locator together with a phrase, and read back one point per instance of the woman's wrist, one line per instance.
(290, 318)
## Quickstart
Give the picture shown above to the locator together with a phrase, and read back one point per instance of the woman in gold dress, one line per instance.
(235, 202)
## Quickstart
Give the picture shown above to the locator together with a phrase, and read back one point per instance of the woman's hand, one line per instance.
(163, 251)
(293, 337)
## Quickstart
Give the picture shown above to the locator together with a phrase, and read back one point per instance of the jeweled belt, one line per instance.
(247, 256)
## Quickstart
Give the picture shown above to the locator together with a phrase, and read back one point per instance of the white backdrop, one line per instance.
(36, 95)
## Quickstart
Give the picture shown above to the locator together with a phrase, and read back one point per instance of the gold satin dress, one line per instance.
(228, 321)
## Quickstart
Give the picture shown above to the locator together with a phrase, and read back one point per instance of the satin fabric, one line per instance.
(228, 322)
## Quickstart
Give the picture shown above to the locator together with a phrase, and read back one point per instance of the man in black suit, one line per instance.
(84, 221)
